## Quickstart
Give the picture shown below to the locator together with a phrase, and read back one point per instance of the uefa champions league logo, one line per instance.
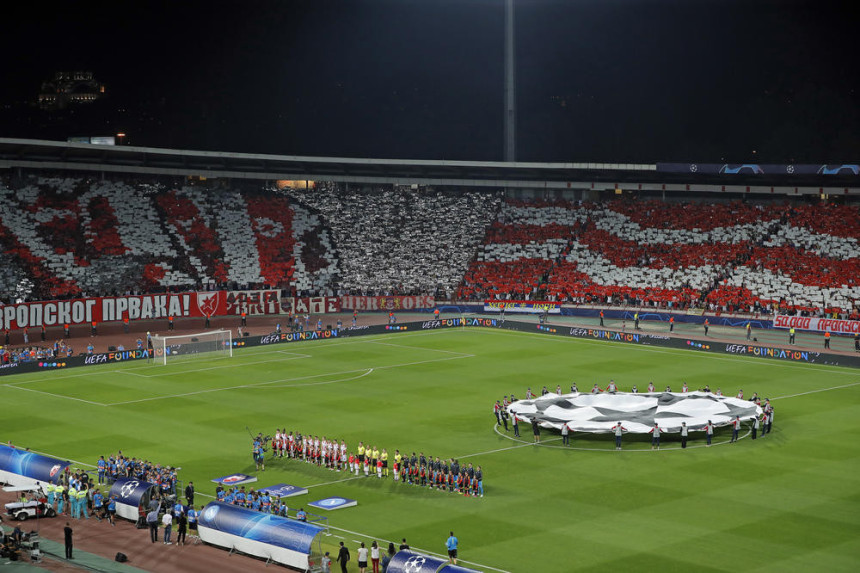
(128, 488)
(332, 501)
(210, 512)
(414, 564)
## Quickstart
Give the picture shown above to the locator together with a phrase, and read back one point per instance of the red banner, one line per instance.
(139, 307)
(311, 305)
(252, 302)
(817, 324)
(389, 303)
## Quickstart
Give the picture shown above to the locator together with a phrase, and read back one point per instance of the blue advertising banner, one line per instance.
(262, 527)
(760, 168)
(283, 490)
(406, 561)
(31, 465)
(330, 503)
(129, 490)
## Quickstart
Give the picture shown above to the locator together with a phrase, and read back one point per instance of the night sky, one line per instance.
(597, 80)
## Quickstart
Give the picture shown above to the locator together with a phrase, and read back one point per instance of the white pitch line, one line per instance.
(56, 395)
(258, 384)
(746, 359)
(817, 391)
(464, 354)
(267, 386)
(333, 482)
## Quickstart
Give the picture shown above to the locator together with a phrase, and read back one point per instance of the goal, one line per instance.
(212, 344)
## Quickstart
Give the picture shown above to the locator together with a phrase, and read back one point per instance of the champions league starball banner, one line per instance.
(23, 468)
(129, 493)
(406, 561)
(284, 540)
(598, 413)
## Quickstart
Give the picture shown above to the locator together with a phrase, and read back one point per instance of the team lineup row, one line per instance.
(415, 469)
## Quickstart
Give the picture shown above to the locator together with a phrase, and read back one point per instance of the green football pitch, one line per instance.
(788, 502)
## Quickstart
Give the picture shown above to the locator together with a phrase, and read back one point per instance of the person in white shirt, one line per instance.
(619, 429)
(684, 434)
(709, 431)
(655, 436)
(362, 558)
(167, 521)
(565, 434)
(374, 556)
(684, 388)
(736, 427)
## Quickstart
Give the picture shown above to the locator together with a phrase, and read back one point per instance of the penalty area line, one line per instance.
(56, 395)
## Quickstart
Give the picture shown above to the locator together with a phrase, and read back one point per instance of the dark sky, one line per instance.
(597, 80)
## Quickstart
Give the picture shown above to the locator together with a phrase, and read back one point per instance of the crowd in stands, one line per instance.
(402, 240)
(63, 237)
(68, 237)
(725, 257)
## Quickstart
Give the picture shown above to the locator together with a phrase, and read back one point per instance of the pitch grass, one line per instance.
(788, 502)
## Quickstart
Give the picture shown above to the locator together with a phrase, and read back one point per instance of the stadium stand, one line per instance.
(401, 240)
(722, 256)
(63, 237)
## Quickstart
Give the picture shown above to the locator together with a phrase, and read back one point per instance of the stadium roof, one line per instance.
(40, 154)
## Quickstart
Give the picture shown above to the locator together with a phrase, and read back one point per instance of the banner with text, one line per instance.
(389, 303)
(139, 307)
(834, 325)
(311, 304)
(522, 306)
(252, 302)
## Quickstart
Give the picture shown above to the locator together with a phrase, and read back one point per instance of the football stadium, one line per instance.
(240, 361)
(481, 310)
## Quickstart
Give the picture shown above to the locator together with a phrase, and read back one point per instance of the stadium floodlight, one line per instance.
(183, 347)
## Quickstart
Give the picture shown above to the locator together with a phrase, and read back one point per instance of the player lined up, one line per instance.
(442, 475)
(372, 461)
(312, 449)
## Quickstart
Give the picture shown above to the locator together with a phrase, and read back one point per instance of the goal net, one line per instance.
(212, 344)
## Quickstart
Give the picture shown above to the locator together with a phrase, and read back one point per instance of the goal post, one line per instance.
(183, 347)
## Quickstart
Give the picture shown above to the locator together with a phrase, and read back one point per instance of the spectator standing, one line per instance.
(386, 559)
(67, 534)
(362, 558)
(343, 557)
(181, 528)
(167, 521)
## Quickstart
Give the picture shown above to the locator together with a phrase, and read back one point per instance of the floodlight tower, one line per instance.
(510, 90)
